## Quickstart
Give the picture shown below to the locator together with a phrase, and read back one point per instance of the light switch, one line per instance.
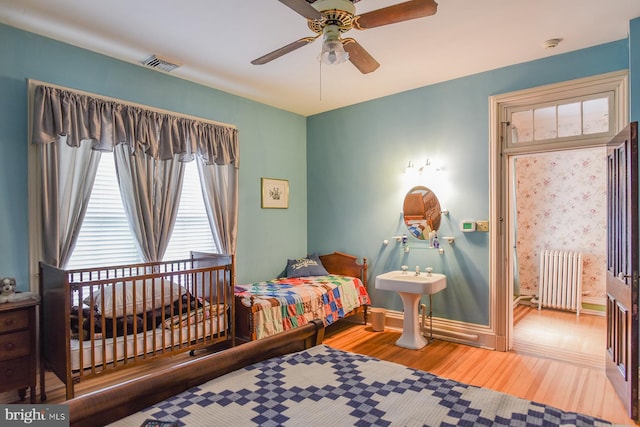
(482, 225)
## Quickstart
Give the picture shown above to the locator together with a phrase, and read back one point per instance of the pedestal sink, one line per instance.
(411, 287)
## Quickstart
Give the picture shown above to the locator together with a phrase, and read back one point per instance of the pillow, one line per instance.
(172, 292)
(309, 266)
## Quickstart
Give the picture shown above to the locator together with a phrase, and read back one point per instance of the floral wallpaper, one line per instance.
(561, 203)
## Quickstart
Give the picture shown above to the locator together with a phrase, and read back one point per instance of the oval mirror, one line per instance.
(421, 212)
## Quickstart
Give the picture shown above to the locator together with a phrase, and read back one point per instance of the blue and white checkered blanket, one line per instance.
(323, 386)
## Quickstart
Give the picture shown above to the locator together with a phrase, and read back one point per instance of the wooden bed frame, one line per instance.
(335, 263)
(113, 403)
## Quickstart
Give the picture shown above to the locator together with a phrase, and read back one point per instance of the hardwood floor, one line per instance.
(56, 392)
(575, 387)
(580, 387)
(560, 335)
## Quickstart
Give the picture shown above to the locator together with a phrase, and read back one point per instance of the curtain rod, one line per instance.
(32, 83)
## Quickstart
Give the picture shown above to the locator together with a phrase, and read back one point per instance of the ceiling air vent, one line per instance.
(155, 61)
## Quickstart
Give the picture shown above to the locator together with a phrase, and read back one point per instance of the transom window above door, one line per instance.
(573, 119)
(580, 113)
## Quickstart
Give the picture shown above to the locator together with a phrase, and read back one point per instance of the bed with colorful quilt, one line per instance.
(328, 287)
(261, 384)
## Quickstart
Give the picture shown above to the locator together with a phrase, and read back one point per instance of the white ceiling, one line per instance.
(215, 40)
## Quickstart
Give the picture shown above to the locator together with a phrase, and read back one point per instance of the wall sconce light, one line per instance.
(421, 168)
(409, 168)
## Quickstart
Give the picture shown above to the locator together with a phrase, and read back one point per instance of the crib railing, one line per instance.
(99, 320)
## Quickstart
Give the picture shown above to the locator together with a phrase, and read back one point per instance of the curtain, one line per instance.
(220, 192)
(91, 124)
(150, 191)
(67, 175)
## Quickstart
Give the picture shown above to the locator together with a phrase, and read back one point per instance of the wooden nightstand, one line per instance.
(18, 354)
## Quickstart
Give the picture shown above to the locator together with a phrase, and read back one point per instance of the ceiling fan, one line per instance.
(331, 18)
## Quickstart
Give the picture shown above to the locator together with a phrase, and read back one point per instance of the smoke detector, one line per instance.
(551, 43)
(160, 63)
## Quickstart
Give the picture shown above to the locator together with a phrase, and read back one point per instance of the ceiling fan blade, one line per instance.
(359, 57)
(303, 8)
(283, 50)
(400, 12)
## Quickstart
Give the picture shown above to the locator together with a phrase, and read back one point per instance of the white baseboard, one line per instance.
(448, 330)
(591, 300)
(461, 332)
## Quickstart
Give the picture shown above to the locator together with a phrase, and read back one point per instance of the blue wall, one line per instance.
(272, 144)
(355, 161)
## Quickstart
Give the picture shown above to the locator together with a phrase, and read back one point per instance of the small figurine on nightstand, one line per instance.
(8, 291)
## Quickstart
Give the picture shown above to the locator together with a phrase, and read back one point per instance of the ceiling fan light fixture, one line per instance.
(332, 49)
(333, 52)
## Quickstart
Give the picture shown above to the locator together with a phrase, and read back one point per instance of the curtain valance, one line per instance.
(75, 117)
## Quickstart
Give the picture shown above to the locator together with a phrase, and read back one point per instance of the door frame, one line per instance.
(500, 199)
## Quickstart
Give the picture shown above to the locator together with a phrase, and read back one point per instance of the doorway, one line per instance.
(541, 129)
(559, 203)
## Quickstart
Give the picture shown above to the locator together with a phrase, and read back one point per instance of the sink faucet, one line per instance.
(417, 270)
(428, 270)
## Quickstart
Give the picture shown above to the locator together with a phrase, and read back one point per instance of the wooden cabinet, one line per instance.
(18, 354)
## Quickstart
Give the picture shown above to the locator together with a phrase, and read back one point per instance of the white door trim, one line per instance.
(501, 295)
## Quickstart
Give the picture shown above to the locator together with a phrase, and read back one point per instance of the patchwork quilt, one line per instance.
(287, 303)
(324, 386)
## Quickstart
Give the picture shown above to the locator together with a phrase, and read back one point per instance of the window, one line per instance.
(573, 119)
(47, 232)
(582, 113)
(105, 238)
(191, 231)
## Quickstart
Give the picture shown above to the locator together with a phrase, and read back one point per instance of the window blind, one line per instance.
(105, 237)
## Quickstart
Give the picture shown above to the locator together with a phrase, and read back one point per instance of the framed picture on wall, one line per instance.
(275, 193)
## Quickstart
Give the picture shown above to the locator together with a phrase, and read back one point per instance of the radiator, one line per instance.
(560, 280)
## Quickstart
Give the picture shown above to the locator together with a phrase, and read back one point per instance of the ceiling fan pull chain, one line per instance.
(320, 80)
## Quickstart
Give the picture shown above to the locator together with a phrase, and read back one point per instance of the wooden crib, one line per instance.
(98, 320)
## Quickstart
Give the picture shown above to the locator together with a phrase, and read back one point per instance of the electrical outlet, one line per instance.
(482, 225)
